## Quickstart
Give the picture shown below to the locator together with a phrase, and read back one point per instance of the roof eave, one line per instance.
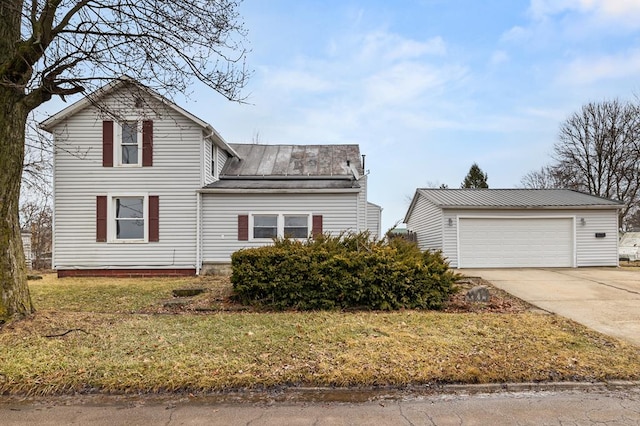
(72, 109)
(219, 140)
(476, 207)
(277, 190)
(285, 177)
(411, 206)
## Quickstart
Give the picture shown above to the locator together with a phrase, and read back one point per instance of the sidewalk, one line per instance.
(613, 407)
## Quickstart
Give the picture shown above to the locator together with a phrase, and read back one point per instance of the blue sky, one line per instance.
(427, 87)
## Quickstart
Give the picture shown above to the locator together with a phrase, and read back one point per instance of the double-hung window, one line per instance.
(130, 143)
(296, 226)
(278, 225)
(127, 143)
(265, 226)
(129, 218)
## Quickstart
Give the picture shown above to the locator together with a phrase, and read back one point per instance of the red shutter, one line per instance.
(101, 219)
(243, 227)
(107, 144)
(147, 143)
(316, 226)
(154, 218)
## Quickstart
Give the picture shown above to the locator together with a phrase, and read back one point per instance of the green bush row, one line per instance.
(341, 272)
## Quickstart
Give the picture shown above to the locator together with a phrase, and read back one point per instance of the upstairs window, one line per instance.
(130, 143)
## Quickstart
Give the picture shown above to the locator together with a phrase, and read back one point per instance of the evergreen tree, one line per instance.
(476, 178)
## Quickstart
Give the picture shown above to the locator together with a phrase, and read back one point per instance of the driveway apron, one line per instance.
(604, 299)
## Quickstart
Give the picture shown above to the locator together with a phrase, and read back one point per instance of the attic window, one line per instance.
(138, 102)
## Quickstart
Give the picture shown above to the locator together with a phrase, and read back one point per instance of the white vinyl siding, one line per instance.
(374, 218)
(515, 242)
(26, 246)
(220, 217)
(80, 177)
(221, 157)
(594, 251)
(362, 204)
(426, 221)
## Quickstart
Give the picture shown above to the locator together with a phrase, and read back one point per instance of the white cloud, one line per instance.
(389, 47)
(406, 82)
(499, 57)
(516, 34)
(626, 12)
(587, 70)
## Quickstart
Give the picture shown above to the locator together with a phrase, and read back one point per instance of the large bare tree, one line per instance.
(64, 47)
(597, 152)
(547, 177)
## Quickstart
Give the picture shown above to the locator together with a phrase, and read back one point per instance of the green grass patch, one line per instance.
(122, 352)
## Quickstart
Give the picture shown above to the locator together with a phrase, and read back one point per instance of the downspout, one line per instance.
(198, 232)
(53, 204)
(358, 211)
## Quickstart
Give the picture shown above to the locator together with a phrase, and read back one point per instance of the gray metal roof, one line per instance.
(514, 198)
(293, 160)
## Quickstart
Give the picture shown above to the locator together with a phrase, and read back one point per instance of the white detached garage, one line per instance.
(510, 228)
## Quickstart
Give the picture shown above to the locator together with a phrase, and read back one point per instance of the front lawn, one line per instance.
(116, 335)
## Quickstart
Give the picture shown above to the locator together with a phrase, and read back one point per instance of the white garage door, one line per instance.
(515, 242)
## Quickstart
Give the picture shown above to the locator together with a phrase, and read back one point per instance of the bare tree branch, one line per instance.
(598, 152)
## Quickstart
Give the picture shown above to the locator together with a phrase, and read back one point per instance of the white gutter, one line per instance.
(221, 141)
(275, 191)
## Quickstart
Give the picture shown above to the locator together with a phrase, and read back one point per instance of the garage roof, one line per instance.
(511, 199)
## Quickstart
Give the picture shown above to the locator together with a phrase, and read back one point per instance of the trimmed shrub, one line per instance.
(341, 272)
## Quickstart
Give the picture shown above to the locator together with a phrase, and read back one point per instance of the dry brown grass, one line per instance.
(122, 349)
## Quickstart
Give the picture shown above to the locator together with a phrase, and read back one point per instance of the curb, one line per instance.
(346, 395)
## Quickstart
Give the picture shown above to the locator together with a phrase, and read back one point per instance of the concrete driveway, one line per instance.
(604, 299)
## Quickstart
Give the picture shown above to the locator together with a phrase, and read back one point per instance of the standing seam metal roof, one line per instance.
(514, 198)
(293, 160)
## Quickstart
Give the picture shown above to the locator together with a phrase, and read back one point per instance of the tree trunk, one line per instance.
(15, 300)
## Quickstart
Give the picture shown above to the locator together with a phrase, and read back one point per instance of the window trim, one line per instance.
(117, 142)
(111, 217)
(279, 224)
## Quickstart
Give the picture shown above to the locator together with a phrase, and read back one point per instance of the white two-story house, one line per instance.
(143, 187)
